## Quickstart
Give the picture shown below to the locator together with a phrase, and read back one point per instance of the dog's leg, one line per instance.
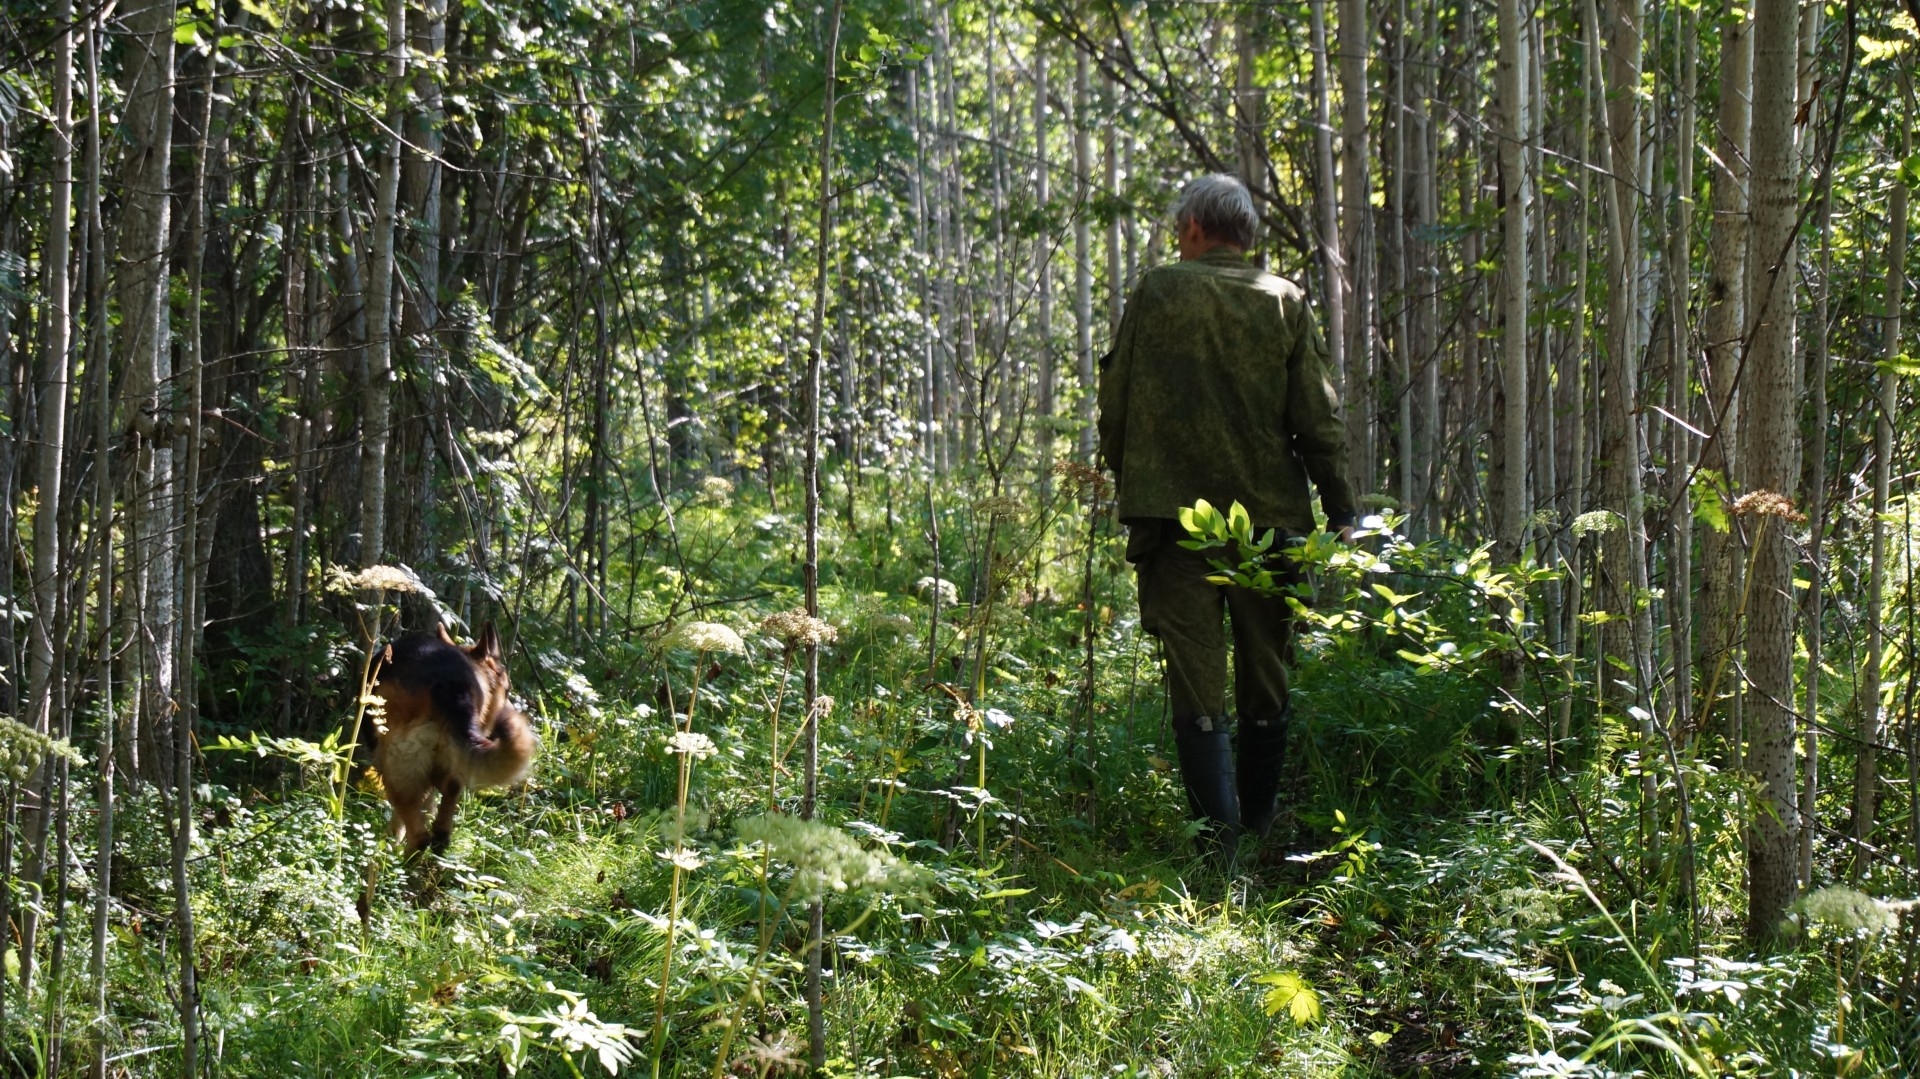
(443, 820)
(409, 817)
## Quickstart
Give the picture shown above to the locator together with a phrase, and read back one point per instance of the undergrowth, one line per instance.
(1443, 896)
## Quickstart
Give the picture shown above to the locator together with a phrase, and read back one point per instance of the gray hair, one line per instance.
(1220, 205)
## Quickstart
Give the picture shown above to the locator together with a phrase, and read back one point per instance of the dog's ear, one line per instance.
(488, 646)
(445, 637)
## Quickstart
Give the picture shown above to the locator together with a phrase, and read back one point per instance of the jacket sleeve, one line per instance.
(1116, 370)
(1314, 424)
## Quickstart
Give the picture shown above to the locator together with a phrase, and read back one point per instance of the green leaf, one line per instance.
(1290, 993)
(1709, 508)
(1238, 522)
(1901, 366)
(1006, 893)
(261, 11)
(1394, 599)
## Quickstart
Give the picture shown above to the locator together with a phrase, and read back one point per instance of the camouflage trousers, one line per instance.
(1182, 608)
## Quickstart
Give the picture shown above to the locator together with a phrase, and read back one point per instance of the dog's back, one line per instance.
(449, 727)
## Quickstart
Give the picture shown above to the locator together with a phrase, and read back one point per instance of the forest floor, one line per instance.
(1009, 890)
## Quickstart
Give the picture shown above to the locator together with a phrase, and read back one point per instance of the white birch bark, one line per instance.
(376, 391)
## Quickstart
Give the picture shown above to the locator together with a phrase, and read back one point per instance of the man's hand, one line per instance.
(1346, 534)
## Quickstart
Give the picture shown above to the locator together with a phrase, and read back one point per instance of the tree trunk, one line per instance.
(816, 925)
(1333, 267)
(1043, 274)
(44, 628)
(1357, 239)
(1724, 325)
(1867, 775)
(1771, 465)
(1083, 248)
(376, 404)
(147, 357)
(1514, 276)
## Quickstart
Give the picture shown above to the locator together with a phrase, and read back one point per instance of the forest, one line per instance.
(720, 377)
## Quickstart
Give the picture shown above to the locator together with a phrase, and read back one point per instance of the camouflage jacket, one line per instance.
(1217, 387)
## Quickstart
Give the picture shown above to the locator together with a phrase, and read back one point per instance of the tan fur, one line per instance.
(423, 751)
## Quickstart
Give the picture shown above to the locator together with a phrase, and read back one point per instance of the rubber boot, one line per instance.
(1206, 767)
(1260, 752)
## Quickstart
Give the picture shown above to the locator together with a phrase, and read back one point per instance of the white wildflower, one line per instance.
(1842, 908)
(717, 490)
(682, 858)
(826, 859)
(692, 743)
(1597, 523)
(946, 591)
(705, 637)
(375, 579)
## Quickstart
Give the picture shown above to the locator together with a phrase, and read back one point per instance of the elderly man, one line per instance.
(1217, 387)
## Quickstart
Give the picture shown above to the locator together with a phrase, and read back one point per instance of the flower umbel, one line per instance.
(376, 578)
(1597, 523)
(681, 857)
(826, 859)
(1842, 908)
(946, 591)
(1767, 504)
(705, 637)
(693, 744)
(798, 629)
(999, 506)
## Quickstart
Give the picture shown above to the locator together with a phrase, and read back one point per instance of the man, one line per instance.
(1217, 387)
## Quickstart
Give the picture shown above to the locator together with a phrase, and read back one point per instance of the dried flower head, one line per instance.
(693, 743)
(822, 707)
(1767, 504)
(826, 859)
(778, 1052)
(1083, 476)
(998, 506)
(939, 588)
(1597, 523)
(705, 637)
(798, 629)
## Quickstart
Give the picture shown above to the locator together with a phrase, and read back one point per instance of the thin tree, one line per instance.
(376, 403)
(816, 918)
(1514, 275)
(1326, 204)
(1357, 239)
(1723, 326)
(1867, 772)
(55, 364)
(1771, 463)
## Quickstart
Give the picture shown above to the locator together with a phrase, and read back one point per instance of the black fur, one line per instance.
(422, 661)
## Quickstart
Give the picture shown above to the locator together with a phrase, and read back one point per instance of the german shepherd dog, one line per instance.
(449, 727)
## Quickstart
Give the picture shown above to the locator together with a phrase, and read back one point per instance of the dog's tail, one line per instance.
(500, 750)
